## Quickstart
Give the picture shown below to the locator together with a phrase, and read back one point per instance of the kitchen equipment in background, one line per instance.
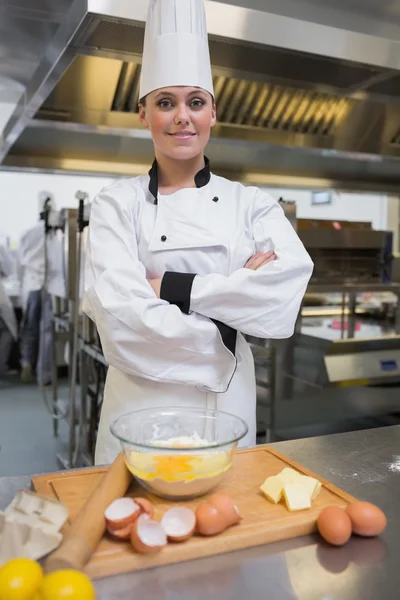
(347, 255)
(290, 210)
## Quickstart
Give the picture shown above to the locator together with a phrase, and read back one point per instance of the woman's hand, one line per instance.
(255, 262)
(156, 285)
(260, 259)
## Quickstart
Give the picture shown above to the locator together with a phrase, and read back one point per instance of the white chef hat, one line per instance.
(175, 48)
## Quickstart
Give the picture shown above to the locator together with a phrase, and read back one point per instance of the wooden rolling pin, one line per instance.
(86, 531)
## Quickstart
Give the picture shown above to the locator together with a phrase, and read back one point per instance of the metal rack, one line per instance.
(66, 327)
(61, 326)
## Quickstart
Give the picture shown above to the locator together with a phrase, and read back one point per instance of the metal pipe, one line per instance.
(53, 409)
(72, 448)
(352, 315)
(342, 316)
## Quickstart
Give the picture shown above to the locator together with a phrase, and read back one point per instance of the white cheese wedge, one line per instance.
(272, 488)
(313, 486)
(289, 475)
(296, 496)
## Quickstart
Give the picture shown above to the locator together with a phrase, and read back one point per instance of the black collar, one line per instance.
(201, 178)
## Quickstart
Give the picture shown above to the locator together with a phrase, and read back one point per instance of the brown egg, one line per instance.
(366, 519)
(334, 525)
(226, 507)
(209, 520)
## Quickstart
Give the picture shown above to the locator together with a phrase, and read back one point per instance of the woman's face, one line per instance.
(180, 120)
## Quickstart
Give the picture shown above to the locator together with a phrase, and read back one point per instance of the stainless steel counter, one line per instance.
(365, 464)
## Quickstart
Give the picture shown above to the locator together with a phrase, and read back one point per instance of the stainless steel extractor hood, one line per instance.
(299, 102)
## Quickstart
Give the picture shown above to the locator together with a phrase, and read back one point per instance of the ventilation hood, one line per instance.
(299, 102)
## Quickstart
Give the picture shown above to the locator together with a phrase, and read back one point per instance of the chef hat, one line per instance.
(175, 48)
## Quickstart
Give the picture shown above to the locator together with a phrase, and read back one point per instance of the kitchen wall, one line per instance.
(19, 205)
(19, 192)
(344, 206)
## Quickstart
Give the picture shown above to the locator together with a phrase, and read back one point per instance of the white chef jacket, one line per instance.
(55, 268)
(6, 308)
(158, 354)
(32, 262)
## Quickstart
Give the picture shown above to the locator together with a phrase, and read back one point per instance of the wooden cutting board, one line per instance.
(263, 522)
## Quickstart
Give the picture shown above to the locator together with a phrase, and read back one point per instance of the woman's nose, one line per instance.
(182, 115)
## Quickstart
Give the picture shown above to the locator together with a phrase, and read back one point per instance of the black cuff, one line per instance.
(228, 335)
(176, 289)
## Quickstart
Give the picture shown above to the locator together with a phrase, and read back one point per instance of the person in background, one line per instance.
(8, 322)
(181, 263)
(36, 326)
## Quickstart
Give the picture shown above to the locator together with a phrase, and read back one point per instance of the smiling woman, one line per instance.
(181, 263)
(180, 121)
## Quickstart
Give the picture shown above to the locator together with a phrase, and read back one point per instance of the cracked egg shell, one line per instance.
(121, 512)
(121, 534)
(148, 536)
(179, 523)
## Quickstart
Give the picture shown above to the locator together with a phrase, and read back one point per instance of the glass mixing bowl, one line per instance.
(179, 453)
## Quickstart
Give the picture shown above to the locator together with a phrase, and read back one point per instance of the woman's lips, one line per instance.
(182, 135)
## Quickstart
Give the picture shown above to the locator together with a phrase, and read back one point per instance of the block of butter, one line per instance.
(288, 475)
(272, 488)
(313, 486)
(296, 496)
(301, 490)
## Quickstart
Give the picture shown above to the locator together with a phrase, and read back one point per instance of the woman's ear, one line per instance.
(213, 115)
(142, 116)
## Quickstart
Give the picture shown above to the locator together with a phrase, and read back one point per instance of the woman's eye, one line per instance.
(164, 104)
(197, 103)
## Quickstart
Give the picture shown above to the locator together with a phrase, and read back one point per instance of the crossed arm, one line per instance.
(254, 263)
(147, 336)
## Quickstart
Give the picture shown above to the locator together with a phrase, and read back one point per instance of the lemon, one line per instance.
(19, 579)
(66, 585)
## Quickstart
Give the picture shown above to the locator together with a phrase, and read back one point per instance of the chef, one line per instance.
(180, 262)
(8, 322)
(36, 327)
